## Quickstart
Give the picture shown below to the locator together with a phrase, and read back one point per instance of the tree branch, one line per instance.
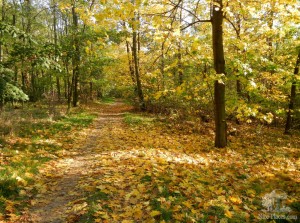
(195, 22)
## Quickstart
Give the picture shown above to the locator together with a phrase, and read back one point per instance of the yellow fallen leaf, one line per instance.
(228, 214)
(79, 207)
(187, 204)
(211, 188)
(220, 191)
(235, 199)
(155, 213)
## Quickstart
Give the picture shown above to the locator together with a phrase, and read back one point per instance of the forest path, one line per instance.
(60, 197)
(136, 168)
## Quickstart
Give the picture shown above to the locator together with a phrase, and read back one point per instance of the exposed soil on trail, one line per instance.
(61, 177)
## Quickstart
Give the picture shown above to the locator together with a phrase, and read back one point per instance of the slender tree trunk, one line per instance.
(162, 67)
(270, 22)
(131, 68)
(23, 75)
(58, 88)
(70, 92)
(76, 57)
(66, 89)
(28, 15)
(1, 35)
(55, 45)
(69, 89)
(180, 66)
(14, 22)
(137, 73)
(288, 124)
(136, 61)
(219, 65)
(91, 90)
(33, 86)
(239, 88)
(2, 82)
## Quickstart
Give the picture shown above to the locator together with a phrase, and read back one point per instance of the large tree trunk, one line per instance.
(288, 124)
(219, 64)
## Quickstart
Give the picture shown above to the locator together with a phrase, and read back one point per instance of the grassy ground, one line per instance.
(29, 137)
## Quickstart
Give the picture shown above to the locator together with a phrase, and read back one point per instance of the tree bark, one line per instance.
(91, 91)
(1, 35)
(135, 46)
(55, 45)
(76, 57)
(162, 67)
(131, 68)
(180, 65)
(2, 82)
(288, 124)
(219, 65)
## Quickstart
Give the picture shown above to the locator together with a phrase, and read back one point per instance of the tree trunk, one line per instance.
(1, 34)
(180, 65)
(2, 82)
(136, 62)
(66, 89)
(55, 45)
(70, 92)
(58, 88)
(76, 58)
(14, 22)
(34, 95)
(131, 68)
(91, 90)
(288, 124)
(162, 67)
(219, 65)
(23, 76)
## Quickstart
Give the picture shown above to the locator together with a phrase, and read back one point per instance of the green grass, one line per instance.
(50, 128)
(8, 185)
(108, 100)
(93, 201)
(82, 120)
(34, 143)
(135, 119)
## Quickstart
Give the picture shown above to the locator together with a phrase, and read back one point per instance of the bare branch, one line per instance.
(195, 22)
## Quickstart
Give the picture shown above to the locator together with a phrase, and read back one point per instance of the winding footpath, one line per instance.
(60, 178)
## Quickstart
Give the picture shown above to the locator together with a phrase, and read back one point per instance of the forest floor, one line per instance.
(131, 167)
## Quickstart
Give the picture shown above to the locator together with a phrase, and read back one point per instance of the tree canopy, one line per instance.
(225, 59)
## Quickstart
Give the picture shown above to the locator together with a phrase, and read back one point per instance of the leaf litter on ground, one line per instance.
(122, 169)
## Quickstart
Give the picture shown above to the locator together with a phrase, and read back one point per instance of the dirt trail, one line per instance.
(61, 177)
